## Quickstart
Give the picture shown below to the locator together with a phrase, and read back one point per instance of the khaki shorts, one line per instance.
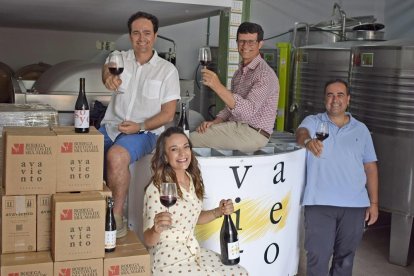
(229, 136)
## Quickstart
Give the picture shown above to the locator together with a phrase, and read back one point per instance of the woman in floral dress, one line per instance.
(169, 236)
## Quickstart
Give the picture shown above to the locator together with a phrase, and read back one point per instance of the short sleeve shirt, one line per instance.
(146, 87)
(338, 178)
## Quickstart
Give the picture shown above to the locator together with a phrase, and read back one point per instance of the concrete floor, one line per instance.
(372, 255)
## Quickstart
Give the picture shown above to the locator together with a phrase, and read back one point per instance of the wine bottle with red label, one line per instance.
(82, 110)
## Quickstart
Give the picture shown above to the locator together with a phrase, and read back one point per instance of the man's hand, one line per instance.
(111, 82)
(210, 79)
(204, 125)
(315, 146)
(371, 214)
(129, 127)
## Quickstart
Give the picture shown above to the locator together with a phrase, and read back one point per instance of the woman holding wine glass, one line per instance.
(169, 233)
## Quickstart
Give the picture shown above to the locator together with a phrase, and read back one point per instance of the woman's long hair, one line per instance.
(162, 171)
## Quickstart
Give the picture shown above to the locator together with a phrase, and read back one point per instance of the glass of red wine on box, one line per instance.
(116, 65)
(168, 194)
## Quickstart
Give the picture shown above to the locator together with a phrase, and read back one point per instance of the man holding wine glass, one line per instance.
(247, 121)
(341, 190)
(144, 100)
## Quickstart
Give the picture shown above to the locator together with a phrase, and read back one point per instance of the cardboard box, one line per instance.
(90, 267)
(44, 222)
(29, 161)
(129, 260)
(78, 226)
(18, 228)
(80, 160)
(29, 263)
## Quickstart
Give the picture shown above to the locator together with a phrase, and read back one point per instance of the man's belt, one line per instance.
(261, 131)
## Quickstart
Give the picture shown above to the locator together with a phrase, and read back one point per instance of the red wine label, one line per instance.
(110, 239)
(234, 250)
(81, 118)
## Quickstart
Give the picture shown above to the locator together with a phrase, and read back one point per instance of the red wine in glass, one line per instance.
(116, 70)
(116, 65)
(321, 136)
(204, 63)
(168, 194)
(168, 200)
(322, 131)
(204, 56)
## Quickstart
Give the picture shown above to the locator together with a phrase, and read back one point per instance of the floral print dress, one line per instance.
(178, 251)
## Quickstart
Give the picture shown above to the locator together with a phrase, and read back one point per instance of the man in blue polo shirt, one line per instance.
(341, 191)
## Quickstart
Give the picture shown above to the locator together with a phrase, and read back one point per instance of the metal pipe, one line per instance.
(343, 19)
(168, 39)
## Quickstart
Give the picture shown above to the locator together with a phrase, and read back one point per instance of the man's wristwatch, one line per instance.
(307, 141)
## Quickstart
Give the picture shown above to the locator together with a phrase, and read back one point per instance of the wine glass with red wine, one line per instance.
(168, 194)
(204, 56)
(323, 131)
(116, 65)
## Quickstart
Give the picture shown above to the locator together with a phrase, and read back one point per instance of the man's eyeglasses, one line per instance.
(248, 42)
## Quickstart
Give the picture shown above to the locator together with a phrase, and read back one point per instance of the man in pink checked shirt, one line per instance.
(247, 121)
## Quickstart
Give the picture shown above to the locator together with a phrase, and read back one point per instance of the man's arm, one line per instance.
(165, 116)
(371, 171)
(211, 80)
(313, 145)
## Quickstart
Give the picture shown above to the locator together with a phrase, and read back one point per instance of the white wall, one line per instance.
(19, 47)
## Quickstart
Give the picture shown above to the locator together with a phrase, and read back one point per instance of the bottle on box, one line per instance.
(110, 226)
(183, 122)
(229, 242)
(82, 110)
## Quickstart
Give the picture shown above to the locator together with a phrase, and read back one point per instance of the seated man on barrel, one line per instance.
(247, 121)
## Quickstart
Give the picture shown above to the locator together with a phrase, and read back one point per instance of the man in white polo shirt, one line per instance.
(144, 100)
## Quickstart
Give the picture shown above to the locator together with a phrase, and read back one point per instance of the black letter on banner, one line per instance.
(276, 207)
(236, 176)
(279, 173)
(238, 220)
(276, 253)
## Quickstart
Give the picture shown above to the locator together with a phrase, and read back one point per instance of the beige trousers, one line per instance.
(229, 136)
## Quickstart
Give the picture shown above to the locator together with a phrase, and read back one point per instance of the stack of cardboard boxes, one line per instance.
(53, 207)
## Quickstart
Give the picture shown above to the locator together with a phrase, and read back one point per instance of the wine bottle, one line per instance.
(229, 242)
(110, 226)
(82, 110)
(183, 123)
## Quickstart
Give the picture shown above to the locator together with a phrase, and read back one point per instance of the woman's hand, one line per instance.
(162, 221)
(226, 207)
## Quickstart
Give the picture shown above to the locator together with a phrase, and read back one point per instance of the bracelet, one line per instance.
(215, 214)
(373, 202)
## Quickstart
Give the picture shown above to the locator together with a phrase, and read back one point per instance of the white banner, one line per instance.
(266, 191)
